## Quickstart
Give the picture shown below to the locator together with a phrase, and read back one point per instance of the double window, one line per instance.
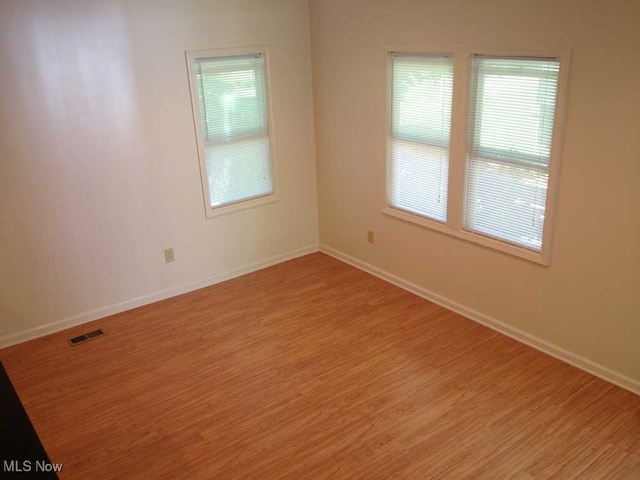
(493, 184)
(231, 112)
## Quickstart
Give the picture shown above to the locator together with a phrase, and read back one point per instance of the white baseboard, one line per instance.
(522, 336)
(40, 331)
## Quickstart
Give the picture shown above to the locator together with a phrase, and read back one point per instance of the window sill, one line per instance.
(487, 242)
(241, 205)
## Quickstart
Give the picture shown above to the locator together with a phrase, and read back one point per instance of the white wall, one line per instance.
(98, 160)
(588, 300)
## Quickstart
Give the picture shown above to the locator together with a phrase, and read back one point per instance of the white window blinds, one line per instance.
(421, 92)
(232, 104)
(511, 119)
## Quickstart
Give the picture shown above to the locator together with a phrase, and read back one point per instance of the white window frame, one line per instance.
(416, 141)
(191, 57)
(453, 226)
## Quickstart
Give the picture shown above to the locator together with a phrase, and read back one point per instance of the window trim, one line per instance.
(458, 149)
(247, 203)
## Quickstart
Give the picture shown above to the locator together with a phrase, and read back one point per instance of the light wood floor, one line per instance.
(313, 369)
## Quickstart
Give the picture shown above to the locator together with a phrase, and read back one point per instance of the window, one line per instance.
(420, 123)
(231, 114)
(494, 185)
(511, 121)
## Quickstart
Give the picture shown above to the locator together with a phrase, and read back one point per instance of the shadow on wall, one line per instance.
(68, 124)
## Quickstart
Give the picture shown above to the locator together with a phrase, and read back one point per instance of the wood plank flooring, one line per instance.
(313, 369)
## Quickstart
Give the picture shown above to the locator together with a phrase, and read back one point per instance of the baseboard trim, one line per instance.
(40, 331)
(517, 334)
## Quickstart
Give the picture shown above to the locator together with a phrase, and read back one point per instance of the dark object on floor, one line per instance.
(22, 456)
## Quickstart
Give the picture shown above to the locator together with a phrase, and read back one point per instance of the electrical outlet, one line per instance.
(168, 255)
(370, 237)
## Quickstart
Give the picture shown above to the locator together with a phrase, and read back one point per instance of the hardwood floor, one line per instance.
(313, 369)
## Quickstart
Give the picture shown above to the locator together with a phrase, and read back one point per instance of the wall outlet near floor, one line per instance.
(370, 237)
(168, 255)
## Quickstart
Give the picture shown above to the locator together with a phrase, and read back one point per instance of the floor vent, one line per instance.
(73, 341)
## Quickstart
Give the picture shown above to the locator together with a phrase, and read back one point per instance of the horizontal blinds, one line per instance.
(235, 133)
(421, 93)
(511, 120)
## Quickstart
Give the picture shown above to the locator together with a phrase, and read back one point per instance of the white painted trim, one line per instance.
(522, 336)
(478, 239)
(40, 331)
